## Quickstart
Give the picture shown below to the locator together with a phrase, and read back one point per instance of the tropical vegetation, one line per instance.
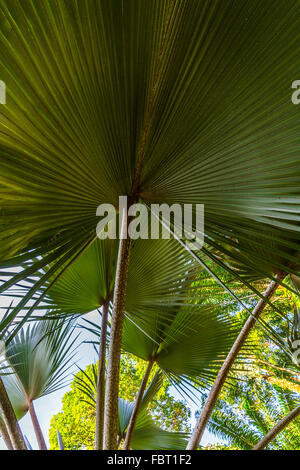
(164, 102)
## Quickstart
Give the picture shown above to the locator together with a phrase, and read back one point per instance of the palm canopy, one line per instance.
(39, 358)
(97, 108)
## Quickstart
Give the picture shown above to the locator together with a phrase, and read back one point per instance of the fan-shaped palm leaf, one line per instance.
(61, 70)
(39, 358)
(192, 344)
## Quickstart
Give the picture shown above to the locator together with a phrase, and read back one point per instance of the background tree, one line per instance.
(246, 416)
(268, 388)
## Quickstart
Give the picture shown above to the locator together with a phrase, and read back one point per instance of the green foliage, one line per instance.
(76, 421)
(265, 390)
(245, 420)
(192, 342)
(38, 360)
(168, 413)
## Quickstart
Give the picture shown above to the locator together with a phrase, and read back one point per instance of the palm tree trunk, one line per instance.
(100, 397)
(10, 420)
(36, 427)
(5, 436)
(277, 429)
(223, 373)
(136, 408)
(111, 418)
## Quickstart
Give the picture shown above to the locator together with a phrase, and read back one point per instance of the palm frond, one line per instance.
(94, 102)
(40, 357)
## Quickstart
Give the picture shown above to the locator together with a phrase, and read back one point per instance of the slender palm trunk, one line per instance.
(10, 420)
(111, 418)
(223, 373)
(112, 382)
(5, 436)
(136, 408)
(100, 397)
(277, 429)
(36, 427)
